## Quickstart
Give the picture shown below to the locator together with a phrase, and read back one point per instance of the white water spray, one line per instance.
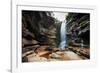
(63, 36)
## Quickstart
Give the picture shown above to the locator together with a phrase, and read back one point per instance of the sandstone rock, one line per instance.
(54, 59)
(28, 53)
(72, 56)
(63, 55)
(32, 47)
(28, 42)
(24, 50)
(29, 48)
(52, 32)
(36, 59)
(44, 54)
(36, 46)
(68, 55)
(41, 49)
(52, 37)
(52, 42)
(34, 42)
(59, 52)
(25, 42)
(55, 56)
(55, 49)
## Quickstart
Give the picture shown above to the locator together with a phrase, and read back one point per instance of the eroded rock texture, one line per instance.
(79, 28)
(41, 37)
(38, 29)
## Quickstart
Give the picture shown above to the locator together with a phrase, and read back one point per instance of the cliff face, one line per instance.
(38, 29)
(78, 28)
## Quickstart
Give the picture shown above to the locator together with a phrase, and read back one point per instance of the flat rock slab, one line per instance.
(72, 56)
(43, 55)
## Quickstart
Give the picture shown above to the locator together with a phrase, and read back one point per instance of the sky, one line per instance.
(60, 15)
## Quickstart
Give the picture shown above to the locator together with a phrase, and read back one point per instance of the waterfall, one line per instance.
(63, 36)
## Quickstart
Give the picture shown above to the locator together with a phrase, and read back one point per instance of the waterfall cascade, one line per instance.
(63, 37)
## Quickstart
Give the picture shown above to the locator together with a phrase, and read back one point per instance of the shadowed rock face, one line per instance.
(79, 27)
(38, 28)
